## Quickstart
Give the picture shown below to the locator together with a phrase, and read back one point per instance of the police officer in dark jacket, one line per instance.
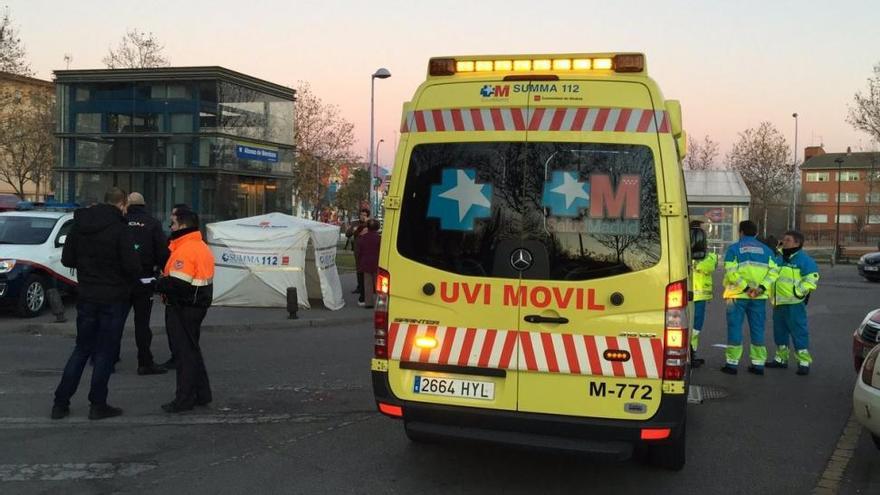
(152, 247)
(100, 248)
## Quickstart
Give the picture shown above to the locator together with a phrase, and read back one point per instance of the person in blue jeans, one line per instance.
(100, 248)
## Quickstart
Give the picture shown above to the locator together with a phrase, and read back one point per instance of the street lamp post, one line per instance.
(378, 179)
(381, 73)
(839, 161)
(794, 186)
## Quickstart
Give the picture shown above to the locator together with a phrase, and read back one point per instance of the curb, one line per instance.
(70, 331)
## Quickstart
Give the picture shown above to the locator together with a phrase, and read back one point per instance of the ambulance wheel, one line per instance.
(670, 455)
(32, 298)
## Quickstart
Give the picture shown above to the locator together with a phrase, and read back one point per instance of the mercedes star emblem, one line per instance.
(521, 259)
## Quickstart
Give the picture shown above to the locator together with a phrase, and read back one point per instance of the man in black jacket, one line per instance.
(152, 248)
(100, 248)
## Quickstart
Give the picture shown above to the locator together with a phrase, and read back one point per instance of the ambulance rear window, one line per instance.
(579, 210)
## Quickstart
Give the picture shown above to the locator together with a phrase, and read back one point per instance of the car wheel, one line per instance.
(876, 440)
(33, 297)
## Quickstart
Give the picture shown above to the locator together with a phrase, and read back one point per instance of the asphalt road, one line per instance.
(293, 413)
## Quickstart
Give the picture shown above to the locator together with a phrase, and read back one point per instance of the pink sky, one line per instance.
(732, 64)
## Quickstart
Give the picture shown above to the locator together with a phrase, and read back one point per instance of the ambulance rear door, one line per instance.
(592, 302)
(452, 338)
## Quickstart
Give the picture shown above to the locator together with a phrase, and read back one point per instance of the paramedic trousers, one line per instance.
(699, 319)
(755, 311)
(790, 326)
(142, 306)
(184, 324)
(98, 332)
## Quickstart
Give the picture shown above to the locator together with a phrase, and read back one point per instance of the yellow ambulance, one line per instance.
(533, 280)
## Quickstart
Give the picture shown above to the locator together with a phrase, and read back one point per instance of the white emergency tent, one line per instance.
(258, 258)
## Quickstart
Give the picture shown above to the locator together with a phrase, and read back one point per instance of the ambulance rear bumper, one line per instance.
(606, 437)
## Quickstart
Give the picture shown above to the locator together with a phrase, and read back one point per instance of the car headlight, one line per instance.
(863, 258)
(865, 321)
(6, 265)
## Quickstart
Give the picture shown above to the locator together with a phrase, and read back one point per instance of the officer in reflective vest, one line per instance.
(798, 277)
(187, 289)
(702, 276)
(750, 270)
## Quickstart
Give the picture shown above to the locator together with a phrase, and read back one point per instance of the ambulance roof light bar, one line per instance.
(621, 62)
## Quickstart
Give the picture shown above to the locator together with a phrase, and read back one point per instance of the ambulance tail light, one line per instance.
(380, 316)
(390, 410)
(676, 343)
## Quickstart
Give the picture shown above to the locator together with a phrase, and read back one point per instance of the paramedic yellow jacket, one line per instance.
(749, 264)
(797, 278)
(703, 270)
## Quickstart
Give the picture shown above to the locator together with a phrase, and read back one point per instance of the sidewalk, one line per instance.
(219, 318)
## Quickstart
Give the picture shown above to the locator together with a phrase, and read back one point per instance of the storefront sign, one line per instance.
(248, 152)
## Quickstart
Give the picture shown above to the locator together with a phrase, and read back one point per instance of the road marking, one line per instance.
(67, 472)
(159, 420)
(829, 482)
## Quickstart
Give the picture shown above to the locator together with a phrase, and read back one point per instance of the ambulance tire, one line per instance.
(669, 456)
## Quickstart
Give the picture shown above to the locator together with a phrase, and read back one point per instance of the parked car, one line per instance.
(30, 258)
(866, 395)
(869, 266)
(866, 337)
(8, 202)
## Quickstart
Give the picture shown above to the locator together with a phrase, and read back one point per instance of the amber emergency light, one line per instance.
(622, 62)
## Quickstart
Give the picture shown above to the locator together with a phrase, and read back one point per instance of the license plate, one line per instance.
(454, 387)
(872, 268)
(628, 391)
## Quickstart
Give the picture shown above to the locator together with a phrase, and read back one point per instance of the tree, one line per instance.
(27, 145)
(761, 156)
(701, 156)
(864, 115)
(323, 142)
(12, 52)
(354, 192)
(136, 50)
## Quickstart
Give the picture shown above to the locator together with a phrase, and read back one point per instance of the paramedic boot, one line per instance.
(695, 361)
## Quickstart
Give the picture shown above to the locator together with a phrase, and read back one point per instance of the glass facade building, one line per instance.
(218, 140)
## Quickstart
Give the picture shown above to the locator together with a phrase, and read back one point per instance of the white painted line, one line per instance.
(159, 420)
(68, 472)
(720, 346)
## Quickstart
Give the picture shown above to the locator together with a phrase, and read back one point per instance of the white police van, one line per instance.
(30, 258)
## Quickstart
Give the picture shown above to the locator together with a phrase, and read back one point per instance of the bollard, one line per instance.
(292, 303)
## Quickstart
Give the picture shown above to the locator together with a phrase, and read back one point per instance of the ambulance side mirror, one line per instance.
(673, 109)
(699, 244)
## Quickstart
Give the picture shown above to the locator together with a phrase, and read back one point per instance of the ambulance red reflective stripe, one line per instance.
(549, 352)
(466, 346)
(448, 340)
(507, 352)
(571, 354)
(537, 119)
(527, 353)
(486, 353)
(426, 352)
(635, 348)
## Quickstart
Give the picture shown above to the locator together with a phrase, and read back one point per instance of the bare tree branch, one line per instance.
(136, 50)
(323, 142)
(864, 115)
(762, 157)
(701, 156)
(12, 52)
(27, 145)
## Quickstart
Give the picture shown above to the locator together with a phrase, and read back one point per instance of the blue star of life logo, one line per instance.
(458, 200)
(564, 195)
(487, 91)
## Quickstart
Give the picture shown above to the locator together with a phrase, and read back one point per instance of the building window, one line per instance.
(181, 122)
(848, 176)
(873, 197)
(873, 219)
(816, 218)
(817, 197)
(89, 123)
(847, 218)
(818, 176)
(848, 197)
